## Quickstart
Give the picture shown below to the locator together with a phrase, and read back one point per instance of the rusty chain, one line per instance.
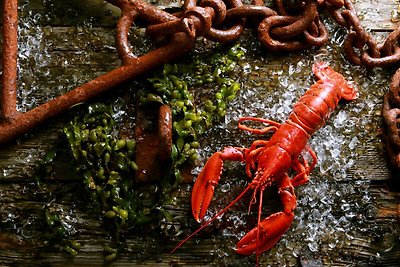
(297, 27)
(277, 29)
(289, 25)
(361, 49)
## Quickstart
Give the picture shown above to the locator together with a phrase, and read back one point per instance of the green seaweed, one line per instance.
(107, 164)
(108, 167)
(174, 85)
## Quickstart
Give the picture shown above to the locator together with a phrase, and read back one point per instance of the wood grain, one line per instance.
(76, 44)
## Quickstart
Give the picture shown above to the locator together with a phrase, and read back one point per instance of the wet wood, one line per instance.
(78, 37)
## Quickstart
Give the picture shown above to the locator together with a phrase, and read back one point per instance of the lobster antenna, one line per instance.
(206, 223)
(258, 225)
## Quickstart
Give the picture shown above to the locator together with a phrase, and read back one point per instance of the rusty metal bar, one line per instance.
(24, 122)
(8, 106)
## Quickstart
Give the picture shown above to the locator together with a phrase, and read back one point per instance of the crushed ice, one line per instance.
(40, 48)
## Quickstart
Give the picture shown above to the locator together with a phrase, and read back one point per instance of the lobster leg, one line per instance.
(208, 178)
(270, 230)
(303, 169)
(257, 145)
(273, 125)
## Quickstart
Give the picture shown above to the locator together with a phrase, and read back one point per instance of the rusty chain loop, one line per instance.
(223, 21)
(289, 25)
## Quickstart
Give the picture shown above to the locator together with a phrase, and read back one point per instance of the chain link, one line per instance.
(278, 29)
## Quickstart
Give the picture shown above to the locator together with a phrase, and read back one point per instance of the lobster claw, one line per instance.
(269, 231)
(203, 189)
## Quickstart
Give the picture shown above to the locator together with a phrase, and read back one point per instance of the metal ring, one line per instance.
(275, 45)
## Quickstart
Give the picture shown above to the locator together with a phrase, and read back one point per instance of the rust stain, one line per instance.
(8, 107)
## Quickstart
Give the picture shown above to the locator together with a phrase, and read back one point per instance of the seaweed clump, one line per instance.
(108, 167)
(174, 86)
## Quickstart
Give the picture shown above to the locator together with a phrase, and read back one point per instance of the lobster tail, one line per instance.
(325, 73)
(317, 104)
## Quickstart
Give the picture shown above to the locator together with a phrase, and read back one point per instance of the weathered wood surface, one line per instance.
(74, 42)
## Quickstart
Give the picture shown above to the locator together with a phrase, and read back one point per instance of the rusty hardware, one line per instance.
(289, 25)
(206, 19)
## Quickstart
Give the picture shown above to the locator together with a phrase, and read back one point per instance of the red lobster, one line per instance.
(268, 161)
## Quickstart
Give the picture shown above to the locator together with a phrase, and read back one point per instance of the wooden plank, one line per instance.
(376, 235)
(378, 15)
(358, 215)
